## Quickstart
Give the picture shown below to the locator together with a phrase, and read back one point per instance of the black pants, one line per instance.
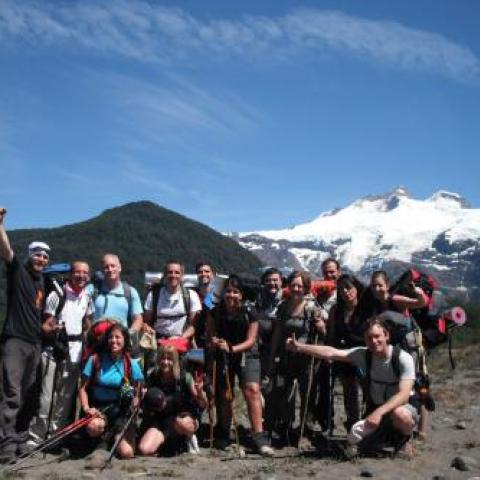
(20, 371)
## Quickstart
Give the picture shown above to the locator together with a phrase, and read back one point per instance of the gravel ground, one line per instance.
(454, 437)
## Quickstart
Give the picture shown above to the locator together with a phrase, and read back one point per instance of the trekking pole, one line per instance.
(212, 399)
(120, 436)
(240, 451)
(52, 401)
(63, 433)
(309, 389)
(331, 388)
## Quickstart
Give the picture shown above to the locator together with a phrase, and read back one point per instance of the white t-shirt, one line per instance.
(384, 381)
(72, 315)
(170, 312)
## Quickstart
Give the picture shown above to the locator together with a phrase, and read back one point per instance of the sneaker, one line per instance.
(260, 439)
(23, 449)
(266, 451)
(192, 445)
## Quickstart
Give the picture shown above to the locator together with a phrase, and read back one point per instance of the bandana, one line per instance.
(38, 247)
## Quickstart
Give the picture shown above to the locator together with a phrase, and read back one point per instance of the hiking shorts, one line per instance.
(247, 370)
(414, 412)
(116, 417)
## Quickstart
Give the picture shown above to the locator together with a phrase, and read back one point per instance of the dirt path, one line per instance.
(455, 432)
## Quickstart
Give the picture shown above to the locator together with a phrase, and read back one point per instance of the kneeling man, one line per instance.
(389, 372)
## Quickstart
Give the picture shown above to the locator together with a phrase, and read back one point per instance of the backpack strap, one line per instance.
(155, 297)
(127, 292)
(186, 305)
(96, 368)
(61, 303)
(395, 362)
(127, 369)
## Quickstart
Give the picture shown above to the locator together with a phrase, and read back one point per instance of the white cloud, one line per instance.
(172, 110)
(149, 32)
(137, 174)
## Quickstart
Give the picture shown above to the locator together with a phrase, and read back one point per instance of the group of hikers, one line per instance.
(138, 379)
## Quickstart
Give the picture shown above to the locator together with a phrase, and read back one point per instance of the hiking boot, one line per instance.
(304, 443)
(407, 451)
(222, 443)
(97, 460)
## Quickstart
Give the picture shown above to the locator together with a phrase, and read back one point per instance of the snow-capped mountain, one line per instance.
(440, 235)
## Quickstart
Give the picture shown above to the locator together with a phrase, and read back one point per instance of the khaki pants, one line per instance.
(64, 377)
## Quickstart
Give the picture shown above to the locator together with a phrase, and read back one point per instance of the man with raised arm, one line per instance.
(20, 345)
(390, 376)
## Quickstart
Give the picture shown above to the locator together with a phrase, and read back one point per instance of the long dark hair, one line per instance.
(127, 347)
(348, 280)
(369, 305)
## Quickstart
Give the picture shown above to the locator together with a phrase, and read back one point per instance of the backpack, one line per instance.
(54, 278)
(436, 329)
(94, 338)
(402, 329)
(395, 362)
(403, 286)
(155, 289)
(421, 396)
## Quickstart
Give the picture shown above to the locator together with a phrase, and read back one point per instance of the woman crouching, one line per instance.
(172, 406)
(110, 391)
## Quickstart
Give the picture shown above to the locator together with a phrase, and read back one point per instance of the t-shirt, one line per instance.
(110, 377)
(170, 316)
(382, 374)
(301, 325)
(113, 304)
(25, 298)
(267, 306)
(75, 309)
(178, 394)
(234, 328)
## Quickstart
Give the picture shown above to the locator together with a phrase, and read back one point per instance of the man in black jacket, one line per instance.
(20, 344)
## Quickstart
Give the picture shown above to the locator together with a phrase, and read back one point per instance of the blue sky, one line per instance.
(242, 115)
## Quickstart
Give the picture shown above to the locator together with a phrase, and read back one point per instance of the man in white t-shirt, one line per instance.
(176, 306)
(389, 382)
(72, 310)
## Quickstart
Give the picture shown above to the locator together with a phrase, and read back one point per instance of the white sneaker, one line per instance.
(192, 445)
(266, 451)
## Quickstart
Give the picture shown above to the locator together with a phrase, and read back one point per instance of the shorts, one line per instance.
(414, 412)
(246, 368)
(165, 424)
(116, 417)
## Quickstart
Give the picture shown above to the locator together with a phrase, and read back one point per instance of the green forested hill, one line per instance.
(144, 235)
